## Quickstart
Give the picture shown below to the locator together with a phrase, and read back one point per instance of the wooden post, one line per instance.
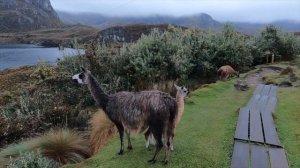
(273, 58)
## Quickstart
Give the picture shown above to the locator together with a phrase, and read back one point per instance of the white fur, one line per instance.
(76, 77)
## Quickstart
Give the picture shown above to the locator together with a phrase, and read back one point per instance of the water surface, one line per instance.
(16, 55)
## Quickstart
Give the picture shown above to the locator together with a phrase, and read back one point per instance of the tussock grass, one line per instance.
(102, 130)
(63, 146)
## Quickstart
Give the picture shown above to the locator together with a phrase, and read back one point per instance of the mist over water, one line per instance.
(16, 55)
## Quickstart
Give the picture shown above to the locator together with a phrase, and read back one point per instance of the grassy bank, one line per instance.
(204, 138)
(288, 123)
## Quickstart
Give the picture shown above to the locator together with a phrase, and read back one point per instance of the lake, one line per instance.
(16, 55)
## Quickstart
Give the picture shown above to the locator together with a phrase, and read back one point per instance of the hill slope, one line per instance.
(202, 20)
(26, 15)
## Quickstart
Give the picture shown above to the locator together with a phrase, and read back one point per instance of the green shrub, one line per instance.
(284, 46)
(232, 49)
(32, 160)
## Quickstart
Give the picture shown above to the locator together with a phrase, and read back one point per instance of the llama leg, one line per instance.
(147, 138)
(129, 147)
(226, 77)
(121, 133)
(167, 153)
(159, 145)
(171, 143)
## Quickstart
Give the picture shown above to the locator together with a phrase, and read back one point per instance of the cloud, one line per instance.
(223, 10)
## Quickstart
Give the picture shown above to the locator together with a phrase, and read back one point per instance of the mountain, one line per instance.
(202, 20)
(27, 15)
(97, 20)
(251, 28)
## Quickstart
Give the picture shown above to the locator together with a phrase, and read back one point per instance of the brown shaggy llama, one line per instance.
(225, 71)
(181, 93)
(136, 112)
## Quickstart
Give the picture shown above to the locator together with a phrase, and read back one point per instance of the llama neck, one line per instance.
(98, 94)
(236, 73)
(180, 106)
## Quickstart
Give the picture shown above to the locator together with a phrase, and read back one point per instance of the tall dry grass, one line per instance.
(63, 146)
(102, 129)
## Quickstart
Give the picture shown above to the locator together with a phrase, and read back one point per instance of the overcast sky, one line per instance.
(221, 10)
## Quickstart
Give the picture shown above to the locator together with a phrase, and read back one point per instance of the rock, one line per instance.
(287, 70)
(27, 15)
(293, 77)
(285, 84)
(128, 33)
(241, 85)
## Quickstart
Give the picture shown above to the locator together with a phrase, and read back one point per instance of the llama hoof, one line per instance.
(165, 162)
(121, 152)
(152, 161)
(129, 147)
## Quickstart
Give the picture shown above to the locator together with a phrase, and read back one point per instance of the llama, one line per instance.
(181, 93)
(225, 71)
(136, 112)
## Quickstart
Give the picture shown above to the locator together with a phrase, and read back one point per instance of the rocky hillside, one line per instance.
(128, 33)
(202, 20)
(52, 37)
(26, 15)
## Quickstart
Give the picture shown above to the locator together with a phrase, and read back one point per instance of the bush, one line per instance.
(284, 46)
(32, 160)
(232, 49)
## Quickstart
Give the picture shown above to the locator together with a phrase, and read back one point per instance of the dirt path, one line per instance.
(255, 78)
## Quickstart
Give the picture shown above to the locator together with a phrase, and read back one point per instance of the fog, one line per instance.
(222, 10)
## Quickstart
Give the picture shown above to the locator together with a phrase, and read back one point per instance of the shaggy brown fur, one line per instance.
(225, 71)
(181, 93)
(135, 112)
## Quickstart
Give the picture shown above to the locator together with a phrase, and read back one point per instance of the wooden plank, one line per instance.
(241, 131)
(259, 157)
(252, 103)
(271, 136)
(278, 158)
(266, 90)
(256, 134)
(262, 103)
(273, 91)
(271, 105)
(258, 89)
(240, 156)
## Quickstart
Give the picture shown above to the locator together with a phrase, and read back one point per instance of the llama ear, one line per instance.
(177, 87)
(83, 69)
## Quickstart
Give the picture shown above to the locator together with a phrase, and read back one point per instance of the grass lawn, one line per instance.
(204, 137)
(288, 123)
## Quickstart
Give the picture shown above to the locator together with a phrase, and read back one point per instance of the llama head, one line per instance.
(183, 91)
(82, 77)
(237, 73)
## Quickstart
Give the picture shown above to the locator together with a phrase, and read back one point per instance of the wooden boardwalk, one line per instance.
(256, 142)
